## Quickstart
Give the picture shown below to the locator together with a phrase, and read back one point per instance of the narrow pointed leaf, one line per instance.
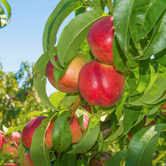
(89, 138)
(155, 90)
(142, 146)
(158, 42)
(40, 155)
(61, 11)
(121, 19)
(78, 27)
(5, 19)
(144, 15)
(61, 134)
(116, 159)
(40, 79)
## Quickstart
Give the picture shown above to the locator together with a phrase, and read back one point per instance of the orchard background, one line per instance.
(132, 130)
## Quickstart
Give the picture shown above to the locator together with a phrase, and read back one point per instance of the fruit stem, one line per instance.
(74, 107)
(10, 139)
(159, 158)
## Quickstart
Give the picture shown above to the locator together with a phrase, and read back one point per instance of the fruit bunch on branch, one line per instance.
(109, 71)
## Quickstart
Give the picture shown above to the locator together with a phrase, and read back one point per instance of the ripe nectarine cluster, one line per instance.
(98, 81)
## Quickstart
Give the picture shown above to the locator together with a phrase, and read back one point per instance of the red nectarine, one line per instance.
(9, 148)
(75, 130)
(1, 140)
(15, 136)
(101, 84)
(100, 38)
(27, 161)
(11, 164)
(69, 82)
(29, 129)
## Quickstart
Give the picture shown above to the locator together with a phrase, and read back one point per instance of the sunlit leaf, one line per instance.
(142, 146)
(61, 134)
(78, 27)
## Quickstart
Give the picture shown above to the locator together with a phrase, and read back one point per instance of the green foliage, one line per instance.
(4, 17)
(139, 47)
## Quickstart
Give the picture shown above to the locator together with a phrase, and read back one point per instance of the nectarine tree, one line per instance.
(123, 82)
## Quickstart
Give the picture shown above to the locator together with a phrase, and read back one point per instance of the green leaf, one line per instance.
(61, 11)
(116, 134)
(69, 99)
(80, 120)
(5, 20)
(144, 78)
(83, 161)
(116, 159)
(39, 151)
(118, 56)
(21, 152)
(155, 89)
(110, 6)
(40, 79)
(121, 20)
(56, 98)
(89, 137)
(61, 134)
(158, 42)
(143, 16)
(78, 28)
(131, 114)
(34, 113)
(132, 81)
(160, 57)
(68, 159)
(98, 4)
(142, 146)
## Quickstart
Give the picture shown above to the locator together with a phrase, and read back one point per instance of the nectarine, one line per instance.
(69, 82)
(27, 161)
(75, 127)
(9, 148)
(101, 84)
(1, 140)
(15, 136)
(29, 129)
(100, 38)
(11, 164)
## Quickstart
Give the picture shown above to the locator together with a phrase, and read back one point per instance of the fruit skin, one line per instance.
(100, 38)
(1, 141)
(76, 131)
(15, 136)
(101, 84)
(75, 127)
(11, 164)
(27, 161)
(101, 161)
(69, 82)
(9, 148)
(29, 129)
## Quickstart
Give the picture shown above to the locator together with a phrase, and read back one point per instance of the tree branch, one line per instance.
(74, 107)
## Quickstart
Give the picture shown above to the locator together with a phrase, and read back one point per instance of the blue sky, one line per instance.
(21, 39)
